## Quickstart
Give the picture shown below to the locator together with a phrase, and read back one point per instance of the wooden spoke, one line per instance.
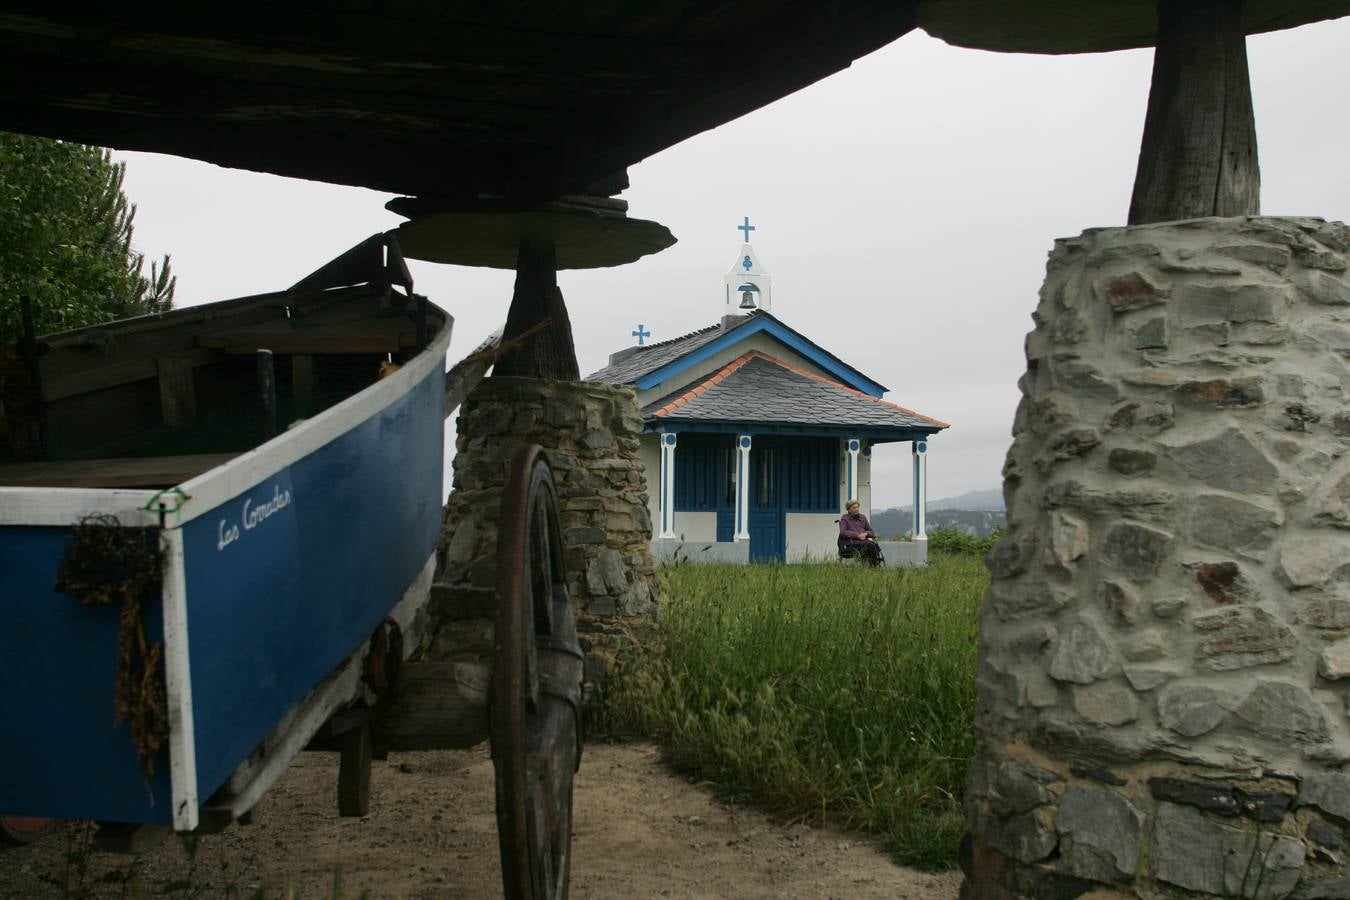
(536, 721)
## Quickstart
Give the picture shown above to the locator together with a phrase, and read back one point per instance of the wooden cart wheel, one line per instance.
(536, 718)
(24, 829)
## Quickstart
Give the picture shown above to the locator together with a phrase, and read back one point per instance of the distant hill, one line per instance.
(974, 512)
(990, 499)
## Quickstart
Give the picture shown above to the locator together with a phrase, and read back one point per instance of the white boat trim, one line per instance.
(178, 684)
(210, 489)
(61, 507)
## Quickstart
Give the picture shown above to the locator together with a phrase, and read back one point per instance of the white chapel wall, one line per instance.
(812, 536)
(696, 526)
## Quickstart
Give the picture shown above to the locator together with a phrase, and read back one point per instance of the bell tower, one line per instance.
(746, 284)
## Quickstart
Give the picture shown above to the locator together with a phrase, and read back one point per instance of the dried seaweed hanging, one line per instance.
(104, 564)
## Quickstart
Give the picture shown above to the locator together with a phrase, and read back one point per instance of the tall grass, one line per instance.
(826, 691)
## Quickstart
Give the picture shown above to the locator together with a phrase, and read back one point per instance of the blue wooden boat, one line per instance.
(277, 556)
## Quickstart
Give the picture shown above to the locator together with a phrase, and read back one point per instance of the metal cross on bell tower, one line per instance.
(747, 228)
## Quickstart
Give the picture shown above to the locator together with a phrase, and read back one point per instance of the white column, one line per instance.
(742, 487)
(667, 496)
(920, 490)
(854, 446)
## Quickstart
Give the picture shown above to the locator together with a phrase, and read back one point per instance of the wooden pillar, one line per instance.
(548, 353)
(1198, 156)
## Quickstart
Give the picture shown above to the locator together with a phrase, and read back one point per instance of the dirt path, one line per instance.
(641, 831)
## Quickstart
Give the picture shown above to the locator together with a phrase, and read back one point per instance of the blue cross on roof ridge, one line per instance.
(747, 228)
(640, 334)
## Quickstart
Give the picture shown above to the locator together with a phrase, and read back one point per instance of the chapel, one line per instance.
(755, 436)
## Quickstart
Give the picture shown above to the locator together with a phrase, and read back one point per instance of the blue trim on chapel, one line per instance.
(765, 322)
(875, 435)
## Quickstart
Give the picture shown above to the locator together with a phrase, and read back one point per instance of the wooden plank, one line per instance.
(466, 374)
(150, 471)
(309, 343)
(57, 386)
(439, 706)
(354, 772)
(177, 394)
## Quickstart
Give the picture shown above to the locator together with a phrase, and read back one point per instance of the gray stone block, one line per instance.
(1192, 709)
(1334, 661)
(1081, 655)
(1131, 462)
(1227, 461)
(1100, 834)
(1011, 600)
(1286, 713)
(1106, 703)
(1215, 520)
(1328, 791)
(1238, 302)
(1310, 560)
(1135, 550)
(1196, 853)
(1120, 602)
(1262, 254)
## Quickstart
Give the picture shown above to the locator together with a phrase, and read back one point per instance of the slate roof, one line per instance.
(758, 387)
(654, 356)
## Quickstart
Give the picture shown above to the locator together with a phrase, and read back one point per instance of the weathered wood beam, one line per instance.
(1198, 156)
(547, 353)
(438, 706)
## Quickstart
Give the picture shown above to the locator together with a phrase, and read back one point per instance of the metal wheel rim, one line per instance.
(530, 727)
(24, 829)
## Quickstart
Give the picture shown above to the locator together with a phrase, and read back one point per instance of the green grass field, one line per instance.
(826, 691)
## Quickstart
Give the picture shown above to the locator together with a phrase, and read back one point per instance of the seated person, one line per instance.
(856, 534)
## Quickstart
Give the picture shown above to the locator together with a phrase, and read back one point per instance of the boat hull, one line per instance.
(278, 566)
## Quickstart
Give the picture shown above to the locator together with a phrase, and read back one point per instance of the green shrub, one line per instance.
(825, 691)
(949, 540)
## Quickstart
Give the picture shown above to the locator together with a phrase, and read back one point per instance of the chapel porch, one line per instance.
(734, 496)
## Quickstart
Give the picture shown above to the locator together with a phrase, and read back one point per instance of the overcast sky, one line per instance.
(904, 208)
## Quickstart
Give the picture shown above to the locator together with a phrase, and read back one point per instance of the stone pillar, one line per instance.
(743, 443)
(589, 432)
(1165, 642)
(919, 451)
(666, 504)
(851, 449)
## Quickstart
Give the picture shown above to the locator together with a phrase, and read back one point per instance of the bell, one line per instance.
(747, 300)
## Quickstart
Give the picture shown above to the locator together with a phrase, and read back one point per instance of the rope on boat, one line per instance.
(106, 564)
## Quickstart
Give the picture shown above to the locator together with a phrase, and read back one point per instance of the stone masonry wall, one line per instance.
(1165, 643)
(589, 432)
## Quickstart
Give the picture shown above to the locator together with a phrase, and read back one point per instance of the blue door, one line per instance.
(768, 517)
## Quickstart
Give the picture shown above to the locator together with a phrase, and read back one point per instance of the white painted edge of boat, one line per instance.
(45, 506)
(223, 483)
(60, 507)
(303, 720)
(178, 684)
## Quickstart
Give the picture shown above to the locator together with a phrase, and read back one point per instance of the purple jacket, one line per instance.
(854, 528)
